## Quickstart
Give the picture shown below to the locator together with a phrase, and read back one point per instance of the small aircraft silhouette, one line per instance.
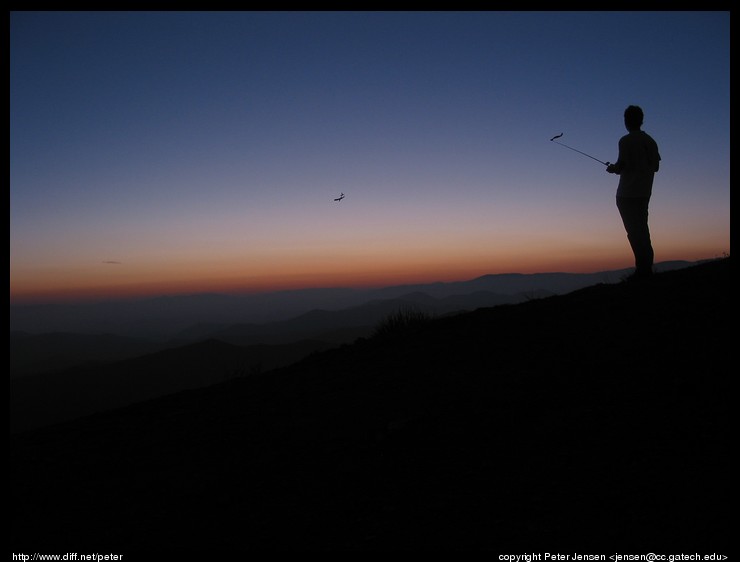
(340, 197)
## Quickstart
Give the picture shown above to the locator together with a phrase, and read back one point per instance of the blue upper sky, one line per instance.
(164, 152)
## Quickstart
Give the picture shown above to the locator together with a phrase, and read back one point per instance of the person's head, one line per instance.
(633, 117)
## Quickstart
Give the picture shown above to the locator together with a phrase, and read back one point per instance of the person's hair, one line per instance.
(633, 117)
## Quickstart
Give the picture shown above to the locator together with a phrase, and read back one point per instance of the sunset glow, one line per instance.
(157, 153)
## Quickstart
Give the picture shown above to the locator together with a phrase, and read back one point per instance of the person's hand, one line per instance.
(610, 168)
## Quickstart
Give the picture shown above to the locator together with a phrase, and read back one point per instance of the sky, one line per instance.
(162, 153)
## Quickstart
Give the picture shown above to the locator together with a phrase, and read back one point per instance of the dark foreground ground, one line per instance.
(594, 422)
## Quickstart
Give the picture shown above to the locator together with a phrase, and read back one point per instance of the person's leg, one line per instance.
(634, 213)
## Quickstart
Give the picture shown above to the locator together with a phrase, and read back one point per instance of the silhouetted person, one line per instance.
(638, 161)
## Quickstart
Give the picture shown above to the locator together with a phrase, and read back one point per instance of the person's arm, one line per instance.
(616, 168)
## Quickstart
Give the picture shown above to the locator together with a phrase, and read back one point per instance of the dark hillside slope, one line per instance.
(593, 422)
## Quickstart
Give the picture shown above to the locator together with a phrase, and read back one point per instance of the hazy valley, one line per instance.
(61, 375)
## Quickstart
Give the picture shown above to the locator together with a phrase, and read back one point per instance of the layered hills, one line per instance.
(593, 421)
(57, 376)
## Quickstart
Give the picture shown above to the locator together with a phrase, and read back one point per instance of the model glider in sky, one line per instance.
(576, 150)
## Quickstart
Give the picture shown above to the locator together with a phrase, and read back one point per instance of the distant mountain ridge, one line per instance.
(40, 353)
(50, 350)
(77, 374)
(48, 385)
(164, 317)
(55, 351)
(358, 320)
